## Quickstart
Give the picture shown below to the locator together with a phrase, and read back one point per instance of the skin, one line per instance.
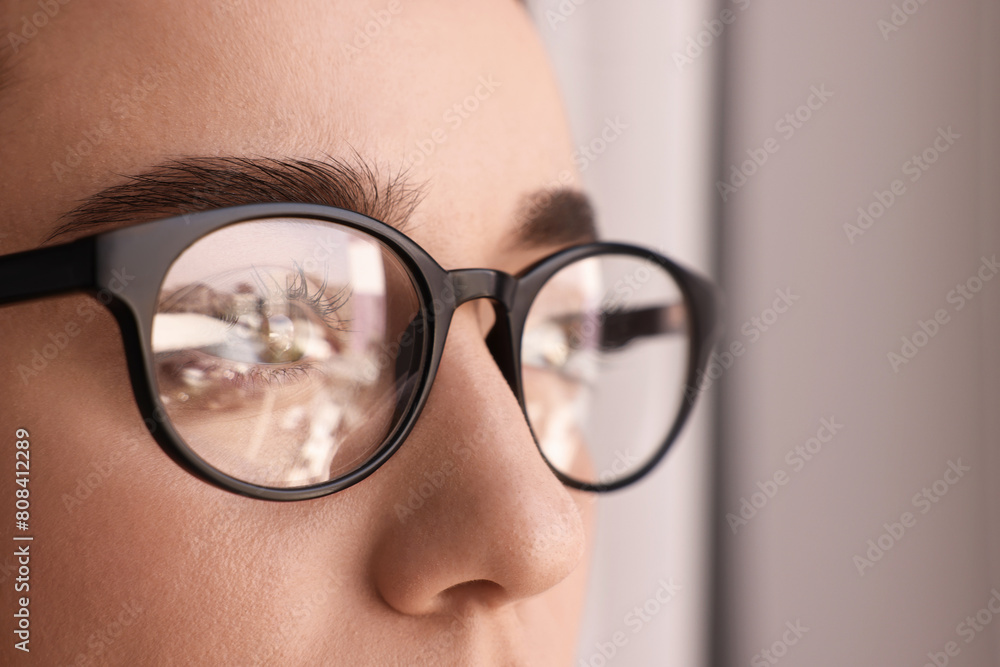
(491, 569)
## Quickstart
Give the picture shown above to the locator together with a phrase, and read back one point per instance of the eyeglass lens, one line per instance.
(604, 356)
(271, 346)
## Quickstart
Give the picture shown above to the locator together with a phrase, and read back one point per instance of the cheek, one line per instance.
(131, 553)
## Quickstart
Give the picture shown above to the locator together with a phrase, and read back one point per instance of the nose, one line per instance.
(480, 518)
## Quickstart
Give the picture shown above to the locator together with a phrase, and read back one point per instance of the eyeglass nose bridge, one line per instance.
(500, 287)
(470, 284)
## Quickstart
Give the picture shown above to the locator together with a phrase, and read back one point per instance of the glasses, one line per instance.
(284, 351)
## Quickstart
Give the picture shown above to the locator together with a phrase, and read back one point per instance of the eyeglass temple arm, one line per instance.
(47, 271)
(621, 327)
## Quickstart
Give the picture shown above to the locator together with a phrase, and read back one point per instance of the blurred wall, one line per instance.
(652, 185)
(860, 470)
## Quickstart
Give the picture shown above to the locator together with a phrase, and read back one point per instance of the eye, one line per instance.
(272, 338)
(559, 343)
(268, 316)
(545, 345)
(243, 329)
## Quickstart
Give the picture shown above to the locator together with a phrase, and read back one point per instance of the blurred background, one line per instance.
(836, 167)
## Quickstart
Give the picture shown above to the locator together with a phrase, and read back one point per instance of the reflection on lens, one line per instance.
(604, 359)
(277, 349)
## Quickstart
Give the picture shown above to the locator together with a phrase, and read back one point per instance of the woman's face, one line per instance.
(132, 556)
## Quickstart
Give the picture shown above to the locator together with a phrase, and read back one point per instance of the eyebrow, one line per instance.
(556, 217)
(188, 185)
(192, 184)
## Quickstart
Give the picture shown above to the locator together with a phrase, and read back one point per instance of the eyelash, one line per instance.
(324, 305)
(242, 386)
(258, 376)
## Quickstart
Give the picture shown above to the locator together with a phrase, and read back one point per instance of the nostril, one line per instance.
(482, 592)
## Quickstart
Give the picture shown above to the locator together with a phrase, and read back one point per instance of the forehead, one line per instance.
(454, 93)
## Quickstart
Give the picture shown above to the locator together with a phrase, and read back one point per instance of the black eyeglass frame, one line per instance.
(89, 264)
